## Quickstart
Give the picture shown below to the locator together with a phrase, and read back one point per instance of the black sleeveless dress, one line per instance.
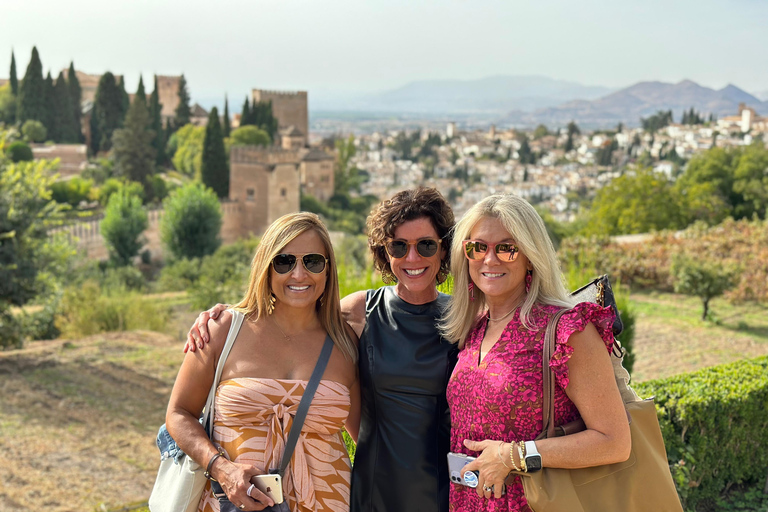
(400, 463)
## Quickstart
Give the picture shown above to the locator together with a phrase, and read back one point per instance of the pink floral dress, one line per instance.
(501, 397)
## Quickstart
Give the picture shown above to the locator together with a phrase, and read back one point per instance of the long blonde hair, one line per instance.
(525, 225)
(279, 234)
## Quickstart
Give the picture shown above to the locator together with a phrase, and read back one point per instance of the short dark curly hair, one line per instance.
(418, 203)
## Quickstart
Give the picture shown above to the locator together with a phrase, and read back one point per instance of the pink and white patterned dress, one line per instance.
(501, 398)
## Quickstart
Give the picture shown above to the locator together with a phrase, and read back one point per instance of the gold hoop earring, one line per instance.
(271, 303)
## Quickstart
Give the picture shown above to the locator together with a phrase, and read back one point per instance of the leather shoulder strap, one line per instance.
(306, 399)
(548, 401)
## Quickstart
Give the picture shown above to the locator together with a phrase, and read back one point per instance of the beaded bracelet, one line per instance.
(512, 456)
(498, 452)
(521, 453)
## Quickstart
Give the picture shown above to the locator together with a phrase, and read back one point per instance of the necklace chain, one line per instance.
(501, 317)
(287, 338)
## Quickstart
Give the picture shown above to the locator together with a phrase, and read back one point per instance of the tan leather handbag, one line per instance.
(642, 483)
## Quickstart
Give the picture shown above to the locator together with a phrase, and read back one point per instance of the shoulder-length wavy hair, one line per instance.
(279, 234)
(421, 202)
(527, 228)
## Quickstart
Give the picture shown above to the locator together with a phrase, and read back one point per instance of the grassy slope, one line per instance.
(79, 418)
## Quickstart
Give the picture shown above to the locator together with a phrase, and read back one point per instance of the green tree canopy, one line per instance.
(187, 158)
(75, 100)
(540, 131)
(50, 110)
(133, 152)
(183, 110)
(124, 222)
(192, 221)
(226, 126)
(107, 115)
(63, 113)
(156, 125)
(34, 130)
(27, 256)
(14, 79)
(249, 136)
(701, 278)
(637, 202)
(32, 91)
(214, 170)
(8, 104)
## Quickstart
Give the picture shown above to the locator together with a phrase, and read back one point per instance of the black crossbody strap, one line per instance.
(306, 399)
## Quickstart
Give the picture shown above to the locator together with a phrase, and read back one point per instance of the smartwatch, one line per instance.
(532, 457)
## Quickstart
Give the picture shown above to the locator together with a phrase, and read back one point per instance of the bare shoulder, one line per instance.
(353, 311)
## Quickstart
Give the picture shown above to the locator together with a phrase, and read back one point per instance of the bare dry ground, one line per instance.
(78, 418)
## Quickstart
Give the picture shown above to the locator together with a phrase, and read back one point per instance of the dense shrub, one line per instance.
(223, 275)
(87, 310)
(34, 131)
(71, 191)
(19, 152)
(124, 222)
(715, 427)
(179, 275)
(192, 221)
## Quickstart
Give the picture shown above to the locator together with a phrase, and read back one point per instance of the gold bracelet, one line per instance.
(521, 453)
(498, 452)
(512, 456)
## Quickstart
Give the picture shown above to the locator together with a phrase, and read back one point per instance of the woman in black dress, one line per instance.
(404, 435)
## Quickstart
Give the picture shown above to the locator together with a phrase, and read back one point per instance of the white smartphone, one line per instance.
(271, 485)
(456, 461)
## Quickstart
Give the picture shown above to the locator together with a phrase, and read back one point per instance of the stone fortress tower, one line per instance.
(266, 183)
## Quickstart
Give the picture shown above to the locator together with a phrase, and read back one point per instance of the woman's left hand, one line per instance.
(491, 469)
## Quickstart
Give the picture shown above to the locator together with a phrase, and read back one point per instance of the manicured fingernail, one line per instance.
(205, 339)
(199, 345)
(214, 315)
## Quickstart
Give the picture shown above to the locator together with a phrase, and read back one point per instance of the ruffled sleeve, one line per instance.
(575, 320)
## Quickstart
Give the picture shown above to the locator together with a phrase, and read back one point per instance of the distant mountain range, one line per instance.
(530, 100)
(643, 100)
(493, 95)
(763, 95)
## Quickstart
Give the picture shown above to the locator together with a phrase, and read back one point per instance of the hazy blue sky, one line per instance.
(340, 45)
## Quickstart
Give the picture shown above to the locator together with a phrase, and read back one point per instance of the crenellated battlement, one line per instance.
(267, 92)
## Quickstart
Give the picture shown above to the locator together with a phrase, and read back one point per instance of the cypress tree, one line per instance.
(183, 111)
(141, 94)
(132, 145)
(126, 101)
(214, 170)
(75, 100)
(14, 79)
(32, 91)
(64, 120)
(50, 121)
(227, 127)
(245, 115)
(156, 124)
(107, 112)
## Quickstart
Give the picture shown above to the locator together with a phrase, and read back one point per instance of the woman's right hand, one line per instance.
(198, 335)
(235, 480)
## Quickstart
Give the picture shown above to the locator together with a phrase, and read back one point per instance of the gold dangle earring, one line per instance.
(271, 303)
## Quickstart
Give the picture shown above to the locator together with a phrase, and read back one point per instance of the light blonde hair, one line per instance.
(279, 234)
(527, 228)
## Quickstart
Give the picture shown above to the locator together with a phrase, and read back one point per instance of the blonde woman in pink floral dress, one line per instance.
(508, 284)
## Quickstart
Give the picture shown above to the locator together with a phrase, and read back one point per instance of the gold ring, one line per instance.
(488, 489)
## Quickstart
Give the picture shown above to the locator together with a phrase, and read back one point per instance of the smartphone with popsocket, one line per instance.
(456, 463)
(271, 485)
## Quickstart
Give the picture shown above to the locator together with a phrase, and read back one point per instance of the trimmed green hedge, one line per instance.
(715, 427)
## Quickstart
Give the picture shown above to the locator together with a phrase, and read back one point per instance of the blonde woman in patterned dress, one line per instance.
(292, 304)
(507, 286)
